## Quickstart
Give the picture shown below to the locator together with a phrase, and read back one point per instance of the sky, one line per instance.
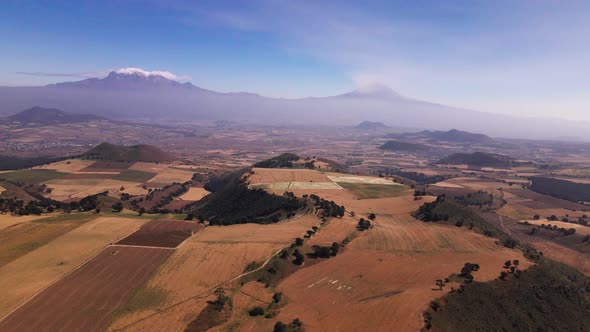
(525, 58)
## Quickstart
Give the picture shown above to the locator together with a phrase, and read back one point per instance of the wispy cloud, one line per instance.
(493, 56)
(54, 74)
(101, 74)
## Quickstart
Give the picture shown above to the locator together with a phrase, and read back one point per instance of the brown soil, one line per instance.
(86, 299)
(162, 233)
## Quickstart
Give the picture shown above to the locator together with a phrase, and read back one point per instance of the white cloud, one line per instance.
(147, 73)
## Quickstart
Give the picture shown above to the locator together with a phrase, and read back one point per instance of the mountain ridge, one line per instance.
(158, 99)
(38, 115)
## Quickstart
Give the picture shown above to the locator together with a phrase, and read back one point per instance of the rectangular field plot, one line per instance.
(296, 185)
(366, 191)
(161, 233)
(361, 179)
(269, 175)
(106, 166)
(86, 299)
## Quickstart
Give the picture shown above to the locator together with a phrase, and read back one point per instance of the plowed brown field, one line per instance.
(162, 233)
(86, 299)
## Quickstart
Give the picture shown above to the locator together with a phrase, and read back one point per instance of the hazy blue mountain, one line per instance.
(124, 96)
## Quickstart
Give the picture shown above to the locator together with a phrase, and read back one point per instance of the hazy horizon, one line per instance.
(523, 59)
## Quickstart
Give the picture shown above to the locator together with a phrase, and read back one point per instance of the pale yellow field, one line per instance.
(273, 233)
(36, 270)
(170, 175)
(568, 256)
(385, 276)
(372, 290)
(194, 194)
(391, 205)
(270, 175)
(134, 190)
(580, 229)
(521, 212)
(7, 220)
(335, 231)
(344, 178)
(207, 259)
(447, 184)
(296, 185)
(149, 167)
(67, 166)
(71, 188)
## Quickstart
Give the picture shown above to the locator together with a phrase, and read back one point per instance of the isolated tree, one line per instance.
(298, 241)
(97, 210)
(372, 216)
(299, 258)
(280, 327)
(284, 254)
(515, 262)
(219, 303)
(503, 275)
(335, 248)
(507, 264)
(141, 211)
(256, 311)
(276, 298)
(117, 207)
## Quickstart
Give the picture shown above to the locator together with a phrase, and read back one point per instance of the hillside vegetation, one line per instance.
(232, 202)
(142, 152)
(40, 116)
(480, 159)
(13, 163)
(549, 296)
(403, 146)
(284, 160)
(569, 190)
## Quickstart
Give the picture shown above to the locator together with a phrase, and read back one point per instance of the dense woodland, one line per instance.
(481, 159)
(569, 190)
(548, 296)
(232, 202)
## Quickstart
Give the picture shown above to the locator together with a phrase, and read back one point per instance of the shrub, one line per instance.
(256, 311)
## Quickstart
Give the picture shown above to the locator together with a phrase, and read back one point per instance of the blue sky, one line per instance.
(526, 58)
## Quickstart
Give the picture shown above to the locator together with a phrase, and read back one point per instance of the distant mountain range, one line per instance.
(133, 96)
(46, 116)
(453, 136)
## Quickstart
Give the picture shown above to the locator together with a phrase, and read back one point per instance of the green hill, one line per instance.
(481, 159)
(403, 146)
(142, 152)
(549, 296)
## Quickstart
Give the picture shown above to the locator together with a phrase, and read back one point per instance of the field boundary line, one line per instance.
(139, 246)
(201, 294)
(74, 269)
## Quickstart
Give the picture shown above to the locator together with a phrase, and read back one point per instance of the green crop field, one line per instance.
(31, 176)
(367, 190)
(134, 176)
